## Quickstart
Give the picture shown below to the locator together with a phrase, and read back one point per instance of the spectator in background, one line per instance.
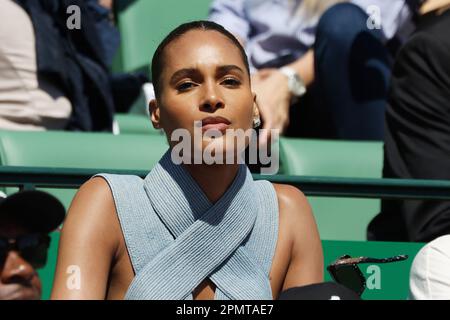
(417, 144)
(126, 87)
(26, 218)
(58, 77)
(330, 50)
(26, 103)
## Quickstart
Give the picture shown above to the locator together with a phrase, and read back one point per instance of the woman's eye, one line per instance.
(231, 82)
(185, 86)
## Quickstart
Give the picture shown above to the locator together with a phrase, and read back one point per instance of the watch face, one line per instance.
(295, 82)
(298, 87)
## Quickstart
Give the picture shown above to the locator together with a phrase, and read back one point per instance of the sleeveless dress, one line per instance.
(176, 238)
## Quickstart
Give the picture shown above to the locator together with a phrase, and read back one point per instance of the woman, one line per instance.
(190, 230)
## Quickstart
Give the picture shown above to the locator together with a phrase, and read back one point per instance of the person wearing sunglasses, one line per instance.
(26, 219)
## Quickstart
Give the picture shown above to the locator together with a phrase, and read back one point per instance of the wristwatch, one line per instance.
(295, 82)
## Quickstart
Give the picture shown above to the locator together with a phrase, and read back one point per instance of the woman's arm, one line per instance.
(306, 256)
(88, 244)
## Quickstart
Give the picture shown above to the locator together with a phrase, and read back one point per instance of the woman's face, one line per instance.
(204, 79)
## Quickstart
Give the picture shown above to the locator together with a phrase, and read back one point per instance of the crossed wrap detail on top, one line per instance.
(176, 237)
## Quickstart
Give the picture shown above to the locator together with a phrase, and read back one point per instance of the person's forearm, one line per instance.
(305, 67)
(431, 5)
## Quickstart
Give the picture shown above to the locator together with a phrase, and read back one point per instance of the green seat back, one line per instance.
(58, 149)
(388, 281)
(77, 150)
(135, 124)
(143, 24)
(337, 218)
(333, 158)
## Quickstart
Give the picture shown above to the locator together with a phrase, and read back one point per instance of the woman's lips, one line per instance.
(222, 127)
(215, 123)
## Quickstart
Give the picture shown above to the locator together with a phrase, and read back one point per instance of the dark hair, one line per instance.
(158, 57)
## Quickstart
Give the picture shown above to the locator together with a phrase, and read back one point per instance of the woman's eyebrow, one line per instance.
(182, 73)
(227, 68)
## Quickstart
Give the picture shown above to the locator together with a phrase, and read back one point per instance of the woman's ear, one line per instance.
(154, 113)
(255, 106)
(256, 113)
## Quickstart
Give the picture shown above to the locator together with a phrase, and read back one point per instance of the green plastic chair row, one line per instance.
(135, 124)
(80, 150)
(142, 151)
(337, 218)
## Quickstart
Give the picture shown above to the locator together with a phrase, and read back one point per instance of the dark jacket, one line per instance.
(417, 142)
(74, 60)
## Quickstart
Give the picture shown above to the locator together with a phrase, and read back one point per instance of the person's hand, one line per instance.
(108, 4)
(273, 98)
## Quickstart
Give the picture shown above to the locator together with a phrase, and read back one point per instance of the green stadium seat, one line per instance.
(388, 281)
(332, 158)
(59, 149)
(143, 24)
(135, 124)
(337, 218)
(77, 150)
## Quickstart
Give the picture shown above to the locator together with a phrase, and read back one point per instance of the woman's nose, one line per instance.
(212, 98)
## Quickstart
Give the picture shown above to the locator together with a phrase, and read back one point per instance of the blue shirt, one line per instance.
(271, 30)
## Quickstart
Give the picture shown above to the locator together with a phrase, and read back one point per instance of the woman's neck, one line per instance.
(214, 180)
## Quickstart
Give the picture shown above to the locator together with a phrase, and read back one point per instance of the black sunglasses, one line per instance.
(31, 247)
(345, 270)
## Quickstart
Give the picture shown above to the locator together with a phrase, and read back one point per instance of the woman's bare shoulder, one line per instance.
(92, 212)
(90, 240)
(291, 201)
(298, 224)
(295, 214)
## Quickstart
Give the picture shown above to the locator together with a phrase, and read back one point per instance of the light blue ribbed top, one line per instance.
(176, 237)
